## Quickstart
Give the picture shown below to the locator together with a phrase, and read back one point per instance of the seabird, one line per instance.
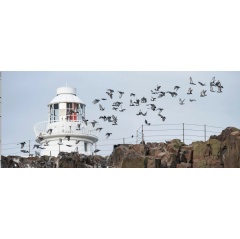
(36, 146)
(120, 94)
(94, 123)
(181, 102)
(99, 129)
(78, 127)
(131, 103)
(22, 144)
(132, 94)
(157, 88)
(201, 83)
(77, 141)
(203, 93)
(95, 101)
(144, 100)
(190, 90)
(108, 135)
(49, 131)
(101, 108)
(191, 100)
(110, 94)
(147, 123)
(177, 87)
(96, 151)
(191, 81)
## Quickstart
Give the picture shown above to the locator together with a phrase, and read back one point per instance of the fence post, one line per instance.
(205, 133)
(29, 148)
(183, 132)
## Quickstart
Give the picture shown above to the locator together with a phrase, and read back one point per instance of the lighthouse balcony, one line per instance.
(65, 127)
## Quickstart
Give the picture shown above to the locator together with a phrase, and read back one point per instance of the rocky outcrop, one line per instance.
(64, 160)
(218, 152)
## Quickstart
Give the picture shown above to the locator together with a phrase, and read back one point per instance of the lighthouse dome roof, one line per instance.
(65, 95)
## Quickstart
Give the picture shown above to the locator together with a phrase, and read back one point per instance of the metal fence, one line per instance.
(186, 132)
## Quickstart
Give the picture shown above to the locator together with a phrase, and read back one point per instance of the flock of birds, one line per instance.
(134, 101)
(155, 94)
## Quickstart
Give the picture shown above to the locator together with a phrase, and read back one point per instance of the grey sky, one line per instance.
(26, 95)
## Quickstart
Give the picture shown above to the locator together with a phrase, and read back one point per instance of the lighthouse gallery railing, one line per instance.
(65, 127)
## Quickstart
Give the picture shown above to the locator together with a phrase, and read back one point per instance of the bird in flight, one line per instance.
(84, 120)
(101, 108)
(181, 102)
(120, 94)
(191, 81)
(203, 93)
(36, 146)
(157, 88)
(46, 143)
(99, 129)
(77, 141)
(190, 90)
(49, 131)
(96, 151)
(95, 101)
(108, 135)
(201, 83)
(147, 123)
(192, 100)
(132, 94)
(177, 87)
(22, 144)
(94, 123)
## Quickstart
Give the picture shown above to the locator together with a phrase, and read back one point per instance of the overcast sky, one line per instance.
(26, 95)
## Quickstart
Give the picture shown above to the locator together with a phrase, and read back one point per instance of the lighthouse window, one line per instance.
(85, 147)
(56, 112)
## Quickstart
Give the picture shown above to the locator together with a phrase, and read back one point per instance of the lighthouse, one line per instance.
(65, 130)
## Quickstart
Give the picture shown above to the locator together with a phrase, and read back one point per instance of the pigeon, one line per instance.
(191, 100)
(219, 90)
(101, 108)
(36, 146)
(114, 120)
(77, 141)
(137, 102)
(103, 99)
(190, 90)
(49, 131)
(96, 151)
(154, 93)
(22, 144)
(147, 123)
(203, 93)
(103, 117)
(131, 103)
(144, 114)
(94, 123)
(108, 135)
(24, 151)
(181, 102)
(115, 108)
(132, 94)
(201, 83)
(120, 94)
(95, 101)
(173, 94)
(46, 143)
(68, 145)
(163, 117)
(177, 88)
(153, 107)
(153, 99)
(144, 100)
(191, 81)
(68, 138)
(85, 120)
(122, 110)
(157, 88)
(211, 87)
(99, 129)
(110, 94)
(162, 94)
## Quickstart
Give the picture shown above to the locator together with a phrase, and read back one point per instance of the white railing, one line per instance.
(65, 127)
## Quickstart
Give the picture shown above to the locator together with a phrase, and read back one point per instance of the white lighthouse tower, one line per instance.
(65, 130)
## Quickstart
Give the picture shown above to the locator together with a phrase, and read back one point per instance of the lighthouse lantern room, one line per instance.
(65, 130)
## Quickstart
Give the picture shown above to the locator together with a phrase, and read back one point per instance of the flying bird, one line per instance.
(46, 143)
(144, 100)
(95, 101)
(181, 102)
(192, 100)
(190, 90)
(120, 94)
(49, 131)
(157, 88)
(101, 108)
(77, 141)
(147, 123)
(96, 151)
(191, 81)
(131, 103)
(22, 144)
(36, 146)
(201, 83)
(94, 123)
(24, 151)
(203, 93)
(108, 135)
(132, 94)
(110, 94)
(99, 129)
(177, 87)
